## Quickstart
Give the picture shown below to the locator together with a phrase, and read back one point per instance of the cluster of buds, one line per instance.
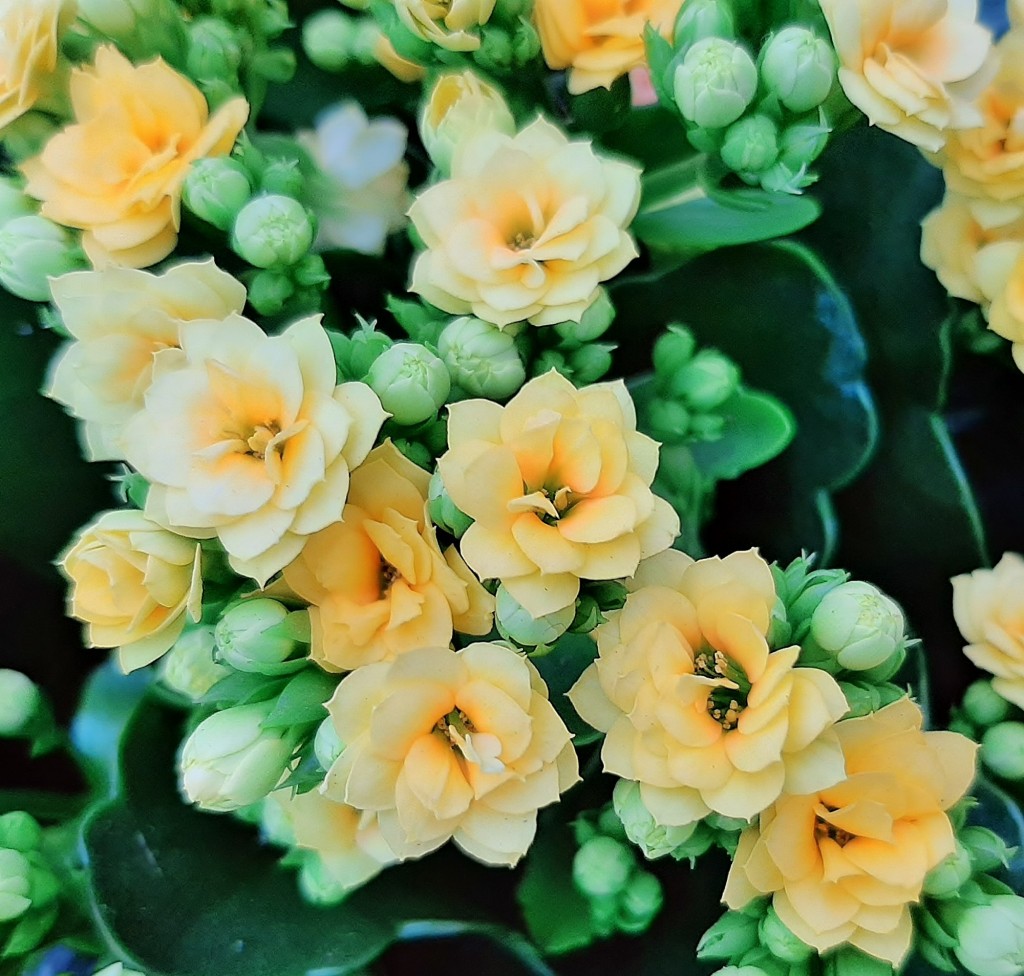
(755, 942)
(29, 889)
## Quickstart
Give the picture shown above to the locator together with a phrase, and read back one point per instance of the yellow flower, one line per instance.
(245, 437)
(844, 864)
(913, 67)
(558, 483)
(526, 228)
(443, 745)
(388, 58)
(377, 580)
(29, 53)
(121, 318)
(117, 171)
(695, 707)
(450, 24)
(132, 583)
(988, 605)
(599, 42)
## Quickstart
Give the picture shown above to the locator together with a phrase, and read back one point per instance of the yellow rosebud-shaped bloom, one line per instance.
(132, 583)
(29, 53)
(696, 708)
(120, 319)
(245, 437)
(402, 68)
(599, 42)
(526, 228)
(446, 745)
(450, 24)
(913, 67)
(988, 605)
(558, 484)
(844, 864)
(377, 580)
(117, 171)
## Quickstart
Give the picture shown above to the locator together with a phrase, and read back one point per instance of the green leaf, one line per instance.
(659, 56)
(242, 688)
(560, 670)
(302, 699)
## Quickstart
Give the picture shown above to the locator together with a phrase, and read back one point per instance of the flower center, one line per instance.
(522, 240)
(388, 575)
(548, 505)
(479, 748)
(823, 829)
(726, 701)
(259, 440)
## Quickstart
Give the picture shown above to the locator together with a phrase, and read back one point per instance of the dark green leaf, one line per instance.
(560, 670)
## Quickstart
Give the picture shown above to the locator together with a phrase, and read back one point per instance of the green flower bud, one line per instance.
(272, 231)
(593, 324)
(734, 934)
(802, 590)
(328, 38)
(443, 512)
(525, 43)
(509, 11)
(1002, 749)
(673, 349)
(230, 760)
(33, 249)
(326, 744)
(516, 623)
(311, 272)
(850, 962)
(751, 145)
(859, 625)
(700, 19)
(13, 202)
(668, 421)
(988, 851)
(250, 637)
(19, 831)
(949, 875)
(601, 867)
(495, 52)
(269, 291)
(215, 189)
(990, 938)
(20, 699)
(188, 667)
(364, 348)
(715, 83)
(799, 67)
(639, 903)
(641, 828)
(706, 382)
(779, 941)
(411, 381)
(481, 358)
(283, 177)
(590, 362)
(213, 50)
(984, 705)
(803, 142)
(28, 886)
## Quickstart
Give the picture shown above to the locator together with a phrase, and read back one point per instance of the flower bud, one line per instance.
(442, 510)
(329, 38)
(1002, 749)
(639, 902)
(19, 831)
(362, 350)
(213, 50)
(13, 202)
(28, 886)
(593, 324)
(326, 744)
(272, 231)
(33, 249)
(188, 667)
(700, 19)
(706, 382)
(984, 705)
(751, 145)
(990, 938)
(803, 142)
(673, 350)
(668, 421)
(651, 837)
(250, 637)
(799, 67)
(948, 876)
(734, 934)
(411, 381)
(19, 701)
(270, 290)
(859, 625)
(715, 83)
(458, 107)
(988, 851)
(495, 52)
(601, 867)
(516, 623)
(590, 362)
(481, 358)
(525, 43)
(215, 189)
(283, 177)
(780, 941)
(230, 760)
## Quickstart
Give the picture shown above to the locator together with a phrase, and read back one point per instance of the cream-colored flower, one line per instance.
(527, 227)
(246, 437)
(132, 583)
(913, 67)
(988, 605)
(450, 24)
(377, 580)
(120, 320)
(117, 171)
(599, 42)
(388, 58)
(695, 707)
(844, 864)
(29, 53)
(443, 745)
(558, 483)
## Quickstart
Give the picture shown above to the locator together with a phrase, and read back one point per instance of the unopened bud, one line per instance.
(988, 851)
(272, 231)
(700, 19)
(213, 50)
(715, 83)
(482, 359)
(20, 699)
(673, 349)
(990, 938)
(443, 511)
(799, 67)
(1002, 750)
(327, 745)
(411, 381)
(859, 625)
(729, 938)
(250, 637)
(516, 623)
(780, 941)
(188, 667)
(32, 250)
(947, 877)
(984, 705)
(639, 903)
(328, 38)
(751, 145)
(593, 324)
(601, 867)
(495, 52)
(215, 189)
(707, 381)
(641, 828)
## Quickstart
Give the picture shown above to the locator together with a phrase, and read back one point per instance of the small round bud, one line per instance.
(847, 961)
(859, 625)
(715, 83)
(802, 143)
(282, 176)
(590, 362)
(481, 358)
(988, 851)
(20, 699)
(593, 324)
(1002, 750)
(443, 511)
(215, 189)
(272, 231)
(213, 50)
(751, 145)
(495, 51)
(673, 350)
(188, 667)
(32, 250)
(13, 202)
(525, 43)
(668, 420)
(601, 867)
(734, 934)
(639, 902)
(984, 705)
(990, 938)
(651, 837)
(326, 744)
(365, 347)
(249, 638)
(699, 19)
(799, 67)
(19, 831)
(328, 37)
(780, 941)
(706, 382)
(411, 381)
(948, 876)
(269, 291)
(516, 623)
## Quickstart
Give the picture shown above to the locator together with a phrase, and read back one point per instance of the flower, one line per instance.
(446, 745)
(526, 228)
(558, 483)
(363, 197)
(844, 864)
(450, 24)
(132, 583)
(29, 53)
(245, 437)
(988, 605)
(377, 580)
(120, 319)
(599, 42)
(696, 708)
(913, 67)
(117, 171)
